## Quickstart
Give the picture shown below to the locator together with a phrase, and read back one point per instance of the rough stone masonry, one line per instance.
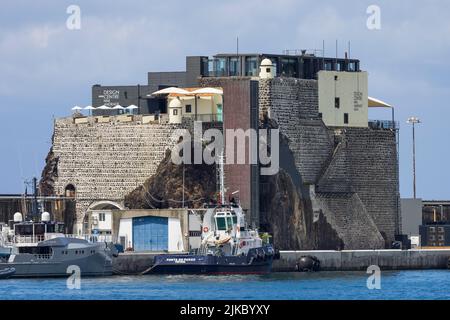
(104, 161)
(349, 175)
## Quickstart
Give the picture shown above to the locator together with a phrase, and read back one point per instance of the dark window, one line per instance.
(221, 223)
(337, 102)
(320, 115)
(125, 94)
(251, 66)
(346, 118)
(175, 112)
(268, 70)
(188, 108)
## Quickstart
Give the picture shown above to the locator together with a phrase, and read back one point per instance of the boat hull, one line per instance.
(95, 265)
(255, 262)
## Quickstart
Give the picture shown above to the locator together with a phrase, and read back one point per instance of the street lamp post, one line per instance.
(414, 121)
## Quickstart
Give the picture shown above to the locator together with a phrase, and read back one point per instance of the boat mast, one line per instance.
(221, 176)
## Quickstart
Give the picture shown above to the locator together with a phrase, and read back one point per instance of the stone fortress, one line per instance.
(338, 182)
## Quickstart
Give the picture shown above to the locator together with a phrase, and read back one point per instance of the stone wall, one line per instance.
(106, 161)
(354, 171)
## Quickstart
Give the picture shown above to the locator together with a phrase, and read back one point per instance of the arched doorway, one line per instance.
(70, 191)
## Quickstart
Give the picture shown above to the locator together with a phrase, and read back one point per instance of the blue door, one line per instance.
(150, 234)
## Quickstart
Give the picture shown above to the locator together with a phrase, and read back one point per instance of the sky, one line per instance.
(46, 68)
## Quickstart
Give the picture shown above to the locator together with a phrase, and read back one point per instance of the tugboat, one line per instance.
(228, 245)
(40, 249)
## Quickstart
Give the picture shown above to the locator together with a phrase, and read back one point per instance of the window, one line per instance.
(229, 222)
(432, 238)
(234, 66)
(441, 229)
(337, 102)
(101, 217)
(351, 66)
(188, 108)
(268, 70)
(320, 115)
(432, 229)
(346, 118)
(221, 223)
(251, 66)
(440, 237)
(175, 112)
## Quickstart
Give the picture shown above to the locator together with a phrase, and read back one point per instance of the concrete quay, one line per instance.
(345, 260)
(356, 260)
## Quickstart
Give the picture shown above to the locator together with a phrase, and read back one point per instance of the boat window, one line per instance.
(221, 224)
(229, 222)
(234, 219)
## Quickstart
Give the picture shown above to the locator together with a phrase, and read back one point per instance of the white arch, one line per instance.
(98, 205)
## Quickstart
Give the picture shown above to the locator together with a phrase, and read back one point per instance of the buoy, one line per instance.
(205, 229)
(307, 264)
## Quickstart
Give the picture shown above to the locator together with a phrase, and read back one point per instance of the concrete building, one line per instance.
(343, 98)
(168, 230)
(435, 228)
(426, 222)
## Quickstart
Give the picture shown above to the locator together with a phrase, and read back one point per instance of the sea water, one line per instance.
(424, 284)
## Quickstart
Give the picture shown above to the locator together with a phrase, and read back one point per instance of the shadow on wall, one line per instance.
(286, 209)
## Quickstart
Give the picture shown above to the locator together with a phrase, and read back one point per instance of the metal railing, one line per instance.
(206, 117)
(383, 124)
(39, 238)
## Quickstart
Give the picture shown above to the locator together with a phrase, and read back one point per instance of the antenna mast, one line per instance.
(221, 176)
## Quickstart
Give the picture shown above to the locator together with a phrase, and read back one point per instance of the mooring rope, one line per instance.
(141, 273)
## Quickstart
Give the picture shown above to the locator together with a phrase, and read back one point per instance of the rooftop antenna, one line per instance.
(221, 176)
(349, 50)
(323, 54)
(336, 51)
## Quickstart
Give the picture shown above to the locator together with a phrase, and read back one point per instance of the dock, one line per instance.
(345, 260)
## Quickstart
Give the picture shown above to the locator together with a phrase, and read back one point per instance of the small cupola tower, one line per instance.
(175, 109)
(266, 69)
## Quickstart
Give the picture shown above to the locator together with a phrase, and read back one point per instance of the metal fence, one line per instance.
(383, 124)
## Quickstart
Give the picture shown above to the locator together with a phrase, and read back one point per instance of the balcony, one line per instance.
(384, 124)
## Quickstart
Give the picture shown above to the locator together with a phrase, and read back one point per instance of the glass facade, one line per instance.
(234, 66)
(289, 67)
(305, 67)
(221, 67)
(251, 66)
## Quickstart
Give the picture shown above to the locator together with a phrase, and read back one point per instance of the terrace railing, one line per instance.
(384, 124)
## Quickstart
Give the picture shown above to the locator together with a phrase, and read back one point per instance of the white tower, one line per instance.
(266, 69)
(175, 111)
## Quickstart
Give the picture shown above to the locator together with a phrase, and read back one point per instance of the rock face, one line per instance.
(289, 217)
(165, 188)
(49, 174)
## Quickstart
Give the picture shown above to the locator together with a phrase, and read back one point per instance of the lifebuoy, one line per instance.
(205, 229)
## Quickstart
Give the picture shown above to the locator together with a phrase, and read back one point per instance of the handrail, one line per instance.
(20, 239)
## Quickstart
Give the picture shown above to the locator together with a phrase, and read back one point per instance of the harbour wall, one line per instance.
(359, 260)
(345, 260)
